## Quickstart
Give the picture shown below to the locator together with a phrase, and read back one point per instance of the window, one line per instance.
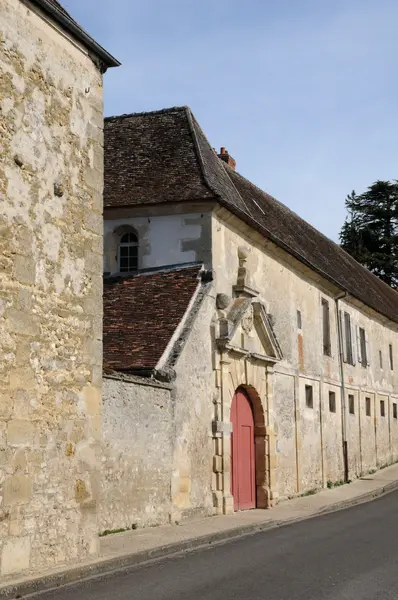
(332, 402)
(394, 410)
(363, 356)
(368, 407)
(128, 253)
(351, 404)
(381, 359)
(309, 397)
(391, 357)
(382, 408)
(348, 339)
(299, 323)
(326, 328)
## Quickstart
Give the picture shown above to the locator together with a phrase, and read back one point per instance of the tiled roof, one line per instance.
(164, 156)
(141, 314)
(151, 160)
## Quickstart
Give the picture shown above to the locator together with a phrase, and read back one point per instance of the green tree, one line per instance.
(370, 231)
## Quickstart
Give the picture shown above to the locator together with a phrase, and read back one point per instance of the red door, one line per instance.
(242, 453)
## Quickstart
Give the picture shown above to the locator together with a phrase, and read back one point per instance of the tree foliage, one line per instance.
(370, 231)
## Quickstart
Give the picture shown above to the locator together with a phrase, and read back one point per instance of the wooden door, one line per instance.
(242, 453)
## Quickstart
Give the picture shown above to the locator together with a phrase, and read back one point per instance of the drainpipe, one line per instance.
(342, 385)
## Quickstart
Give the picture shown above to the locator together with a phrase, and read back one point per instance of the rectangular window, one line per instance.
(394, 410)
(362, 342)
(382, 408)
(299, 324)
(391, 357)
(368, 407)
(351, 404)
(332, 402)
(309, 397)
(381, 359)
(348, 339)
(326, 328)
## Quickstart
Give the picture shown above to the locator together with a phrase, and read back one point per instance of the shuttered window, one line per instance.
(327, 350)
(348, 339)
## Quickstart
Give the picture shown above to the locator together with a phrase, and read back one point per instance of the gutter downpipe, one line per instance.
(342, 386)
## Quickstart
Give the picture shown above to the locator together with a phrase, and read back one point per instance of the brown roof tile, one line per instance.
(164, 156)
(141, 314)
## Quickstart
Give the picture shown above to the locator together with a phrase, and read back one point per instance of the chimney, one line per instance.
(224, 156)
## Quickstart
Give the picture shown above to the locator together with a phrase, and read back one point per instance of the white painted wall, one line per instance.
(163, 240)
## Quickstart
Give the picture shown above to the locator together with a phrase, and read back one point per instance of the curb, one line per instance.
(106, 567)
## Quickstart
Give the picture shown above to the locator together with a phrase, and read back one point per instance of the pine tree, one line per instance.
(370, 231)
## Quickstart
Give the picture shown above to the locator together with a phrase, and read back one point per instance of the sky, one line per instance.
(302, 93)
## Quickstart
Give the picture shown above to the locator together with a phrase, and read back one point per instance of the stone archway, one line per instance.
(255, 377)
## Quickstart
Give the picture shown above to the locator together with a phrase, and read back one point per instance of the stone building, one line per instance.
(249, 358)
(51, 194)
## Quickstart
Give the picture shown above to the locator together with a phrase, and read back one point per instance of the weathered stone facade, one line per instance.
(297, 448)
(51, 182)
(137, 457)
(291, 323)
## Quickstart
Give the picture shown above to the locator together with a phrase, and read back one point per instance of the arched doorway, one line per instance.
(243, 486)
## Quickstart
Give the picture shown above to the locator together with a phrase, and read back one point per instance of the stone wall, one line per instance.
(193, 415)
(137, 455)
(50, 293)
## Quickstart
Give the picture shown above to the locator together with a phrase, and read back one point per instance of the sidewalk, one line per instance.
(135, 547)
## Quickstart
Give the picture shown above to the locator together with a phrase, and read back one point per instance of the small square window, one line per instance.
(394, 410)
(382, 408)
(299, 322)
(351, 404)
(332, 402)
(368, 407)
(309, 396)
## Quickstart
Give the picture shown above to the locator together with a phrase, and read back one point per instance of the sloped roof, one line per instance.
(164, 156)
(63, 18)
(141, 314)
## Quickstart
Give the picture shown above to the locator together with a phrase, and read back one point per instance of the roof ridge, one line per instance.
(198, 153)
(144, 113)
(154, 271)
(191, 120)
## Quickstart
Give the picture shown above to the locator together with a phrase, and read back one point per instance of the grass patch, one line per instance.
(121, 530)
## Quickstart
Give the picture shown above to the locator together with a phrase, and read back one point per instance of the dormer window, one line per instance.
(128, 253)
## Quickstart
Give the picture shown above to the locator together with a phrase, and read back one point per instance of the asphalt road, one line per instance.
(349, 555)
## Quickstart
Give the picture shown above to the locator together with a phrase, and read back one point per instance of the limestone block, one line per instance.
(20, 433)
(15, 556)
(6, 406)
(23, 323)
(185, 485)
(22, 378)
(92, 396)
(25, 270)
(17, 490)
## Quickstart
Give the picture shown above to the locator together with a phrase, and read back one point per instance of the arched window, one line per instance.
(128, 253)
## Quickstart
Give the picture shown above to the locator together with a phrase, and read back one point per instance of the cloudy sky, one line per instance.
(302, 93)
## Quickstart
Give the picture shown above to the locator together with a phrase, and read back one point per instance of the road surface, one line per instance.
(348, 555)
